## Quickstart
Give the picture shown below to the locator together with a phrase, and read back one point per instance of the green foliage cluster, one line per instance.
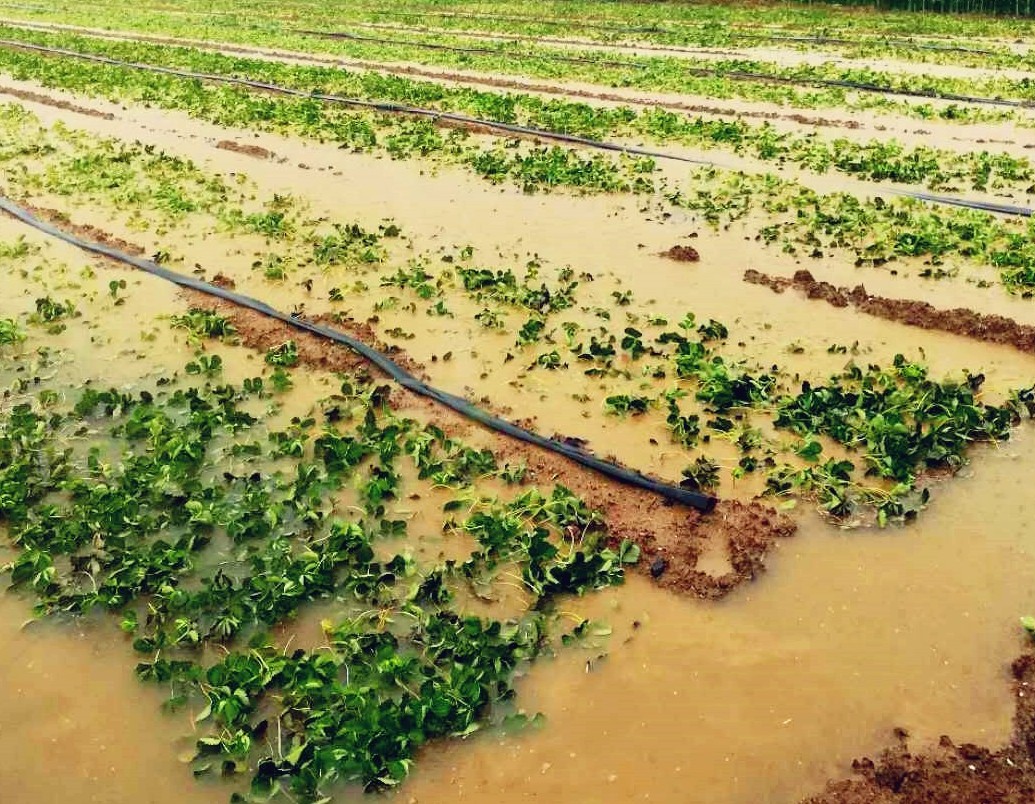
(171, 514)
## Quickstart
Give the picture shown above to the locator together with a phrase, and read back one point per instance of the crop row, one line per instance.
(729, 27)
(876, 160)
(783, 85)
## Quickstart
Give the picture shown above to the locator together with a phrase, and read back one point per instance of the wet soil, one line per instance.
(681, 254)
(243, 148)
(957, 321)
(47, 100)
(951, 773)
(85, 230)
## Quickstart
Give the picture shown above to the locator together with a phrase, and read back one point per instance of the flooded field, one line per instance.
(448, 401)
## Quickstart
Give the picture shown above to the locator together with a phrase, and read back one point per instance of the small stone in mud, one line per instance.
(682, 254)
(658, 567)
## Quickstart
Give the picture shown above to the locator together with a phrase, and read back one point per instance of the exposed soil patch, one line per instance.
(57, 103)
(958, 321)
(681, 254)
(85, 230)
(950, 773)
(259, 332)
(249, 150)
(676, 537)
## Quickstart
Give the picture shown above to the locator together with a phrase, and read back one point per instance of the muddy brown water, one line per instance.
(759, 698)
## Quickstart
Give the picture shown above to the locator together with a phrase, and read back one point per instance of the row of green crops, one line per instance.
(680, 366)
(876, 160)
(866, 37)
(788, 85)
(181, 509)
(896, 422)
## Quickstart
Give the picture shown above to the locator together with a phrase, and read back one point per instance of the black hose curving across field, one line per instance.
(630, 477)
(465, 120)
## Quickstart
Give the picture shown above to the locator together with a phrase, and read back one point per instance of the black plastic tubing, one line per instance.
(630, 477)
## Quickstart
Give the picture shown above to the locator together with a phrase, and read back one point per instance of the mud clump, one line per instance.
(681, 254)
(950, 773)
(744, 532)
(957, 321)
(56, 103)
(248, 150)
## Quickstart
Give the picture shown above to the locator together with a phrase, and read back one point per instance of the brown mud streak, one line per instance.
(950, 773)
(84, 230)
(57, 103)
(957, 321)
(677, 536)
(248, 150)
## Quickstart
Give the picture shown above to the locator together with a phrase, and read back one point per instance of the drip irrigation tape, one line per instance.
(983, 206)
(735, 75)
(397, 373)
(507, 128)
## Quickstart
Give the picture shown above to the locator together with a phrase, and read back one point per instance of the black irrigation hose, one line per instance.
(735, 75)
(983, 206)
(508, 128)
(630, 477)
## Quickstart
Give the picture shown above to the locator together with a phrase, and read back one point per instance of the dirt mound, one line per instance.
(681, 254)
(248, 150)
(259, 332)
(950, 773)
(57, 103)
(672, 545)
(958, 321)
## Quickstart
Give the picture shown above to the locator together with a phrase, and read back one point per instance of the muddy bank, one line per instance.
(951, 773)
(957, 321)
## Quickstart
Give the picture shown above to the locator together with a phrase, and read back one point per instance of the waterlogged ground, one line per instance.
(748, 656)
